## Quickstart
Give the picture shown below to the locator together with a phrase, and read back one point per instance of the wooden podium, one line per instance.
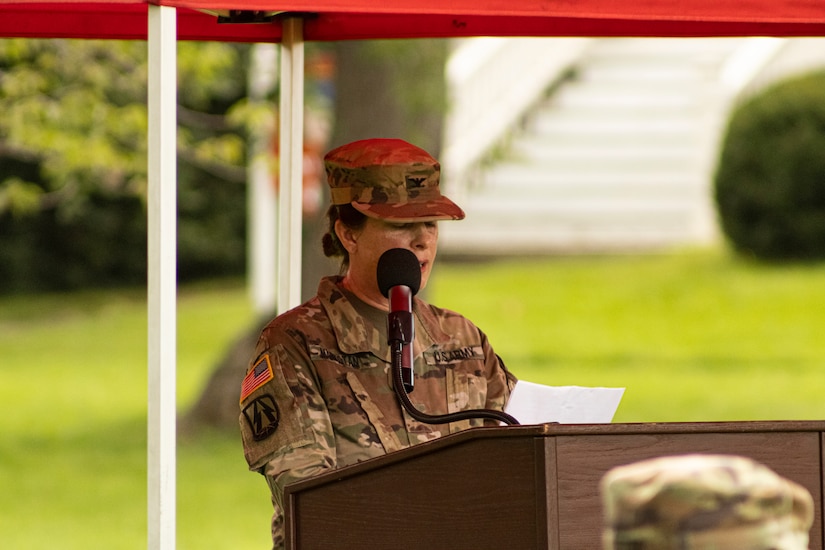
(521, 487)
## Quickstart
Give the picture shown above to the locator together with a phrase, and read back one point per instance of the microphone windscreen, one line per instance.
(398, 267)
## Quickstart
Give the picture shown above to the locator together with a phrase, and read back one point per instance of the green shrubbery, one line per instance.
(770, 181)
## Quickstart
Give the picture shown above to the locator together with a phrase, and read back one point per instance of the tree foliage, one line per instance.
(75, 111)
(73, 144)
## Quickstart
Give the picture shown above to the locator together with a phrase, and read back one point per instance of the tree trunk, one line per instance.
(217, 406)
(392, 89)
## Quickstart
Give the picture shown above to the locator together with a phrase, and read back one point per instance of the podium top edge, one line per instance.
(560, 430)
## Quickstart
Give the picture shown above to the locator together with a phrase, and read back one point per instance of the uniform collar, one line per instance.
(355, 334)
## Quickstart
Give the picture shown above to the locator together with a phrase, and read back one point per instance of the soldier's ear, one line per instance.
(347, 236)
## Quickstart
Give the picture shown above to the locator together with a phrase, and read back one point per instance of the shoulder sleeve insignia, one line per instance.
(263, 416)
(259, 375)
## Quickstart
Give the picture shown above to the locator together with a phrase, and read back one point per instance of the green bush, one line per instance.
(770, 180)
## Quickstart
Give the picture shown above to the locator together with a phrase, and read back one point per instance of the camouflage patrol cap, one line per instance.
(389, 179)
(703, 502)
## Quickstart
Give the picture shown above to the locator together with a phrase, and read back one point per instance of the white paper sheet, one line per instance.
(532, 403)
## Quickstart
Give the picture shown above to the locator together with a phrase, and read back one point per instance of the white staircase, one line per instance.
(618, 158)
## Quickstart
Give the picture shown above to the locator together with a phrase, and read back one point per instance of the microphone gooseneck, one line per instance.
(399, 279)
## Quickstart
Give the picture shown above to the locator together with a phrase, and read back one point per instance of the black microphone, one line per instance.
(399, 278)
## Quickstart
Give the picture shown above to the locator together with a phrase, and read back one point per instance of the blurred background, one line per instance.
(643, 213)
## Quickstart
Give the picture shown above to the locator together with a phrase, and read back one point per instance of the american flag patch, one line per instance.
(260, 374)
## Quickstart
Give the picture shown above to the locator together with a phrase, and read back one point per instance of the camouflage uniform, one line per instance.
(703, 502)
(319, 395)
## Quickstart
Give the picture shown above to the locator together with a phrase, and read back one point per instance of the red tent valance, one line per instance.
(365, 19)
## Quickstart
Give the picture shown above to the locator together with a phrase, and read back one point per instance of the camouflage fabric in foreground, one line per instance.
(703, 502)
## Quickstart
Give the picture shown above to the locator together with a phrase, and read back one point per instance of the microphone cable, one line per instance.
(490, 414)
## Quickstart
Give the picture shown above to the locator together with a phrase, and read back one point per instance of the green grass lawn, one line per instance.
(694, 336)
(73, 384)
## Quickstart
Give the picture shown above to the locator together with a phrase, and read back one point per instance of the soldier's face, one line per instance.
(378, 236)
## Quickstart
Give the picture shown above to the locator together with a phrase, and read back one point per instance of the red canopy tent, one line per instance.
(366, 19)
(290, 22)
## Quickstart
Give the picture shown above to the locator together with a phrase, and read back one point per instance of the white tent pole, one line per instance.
(291, 170)
(262, 206)
(162, 256)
